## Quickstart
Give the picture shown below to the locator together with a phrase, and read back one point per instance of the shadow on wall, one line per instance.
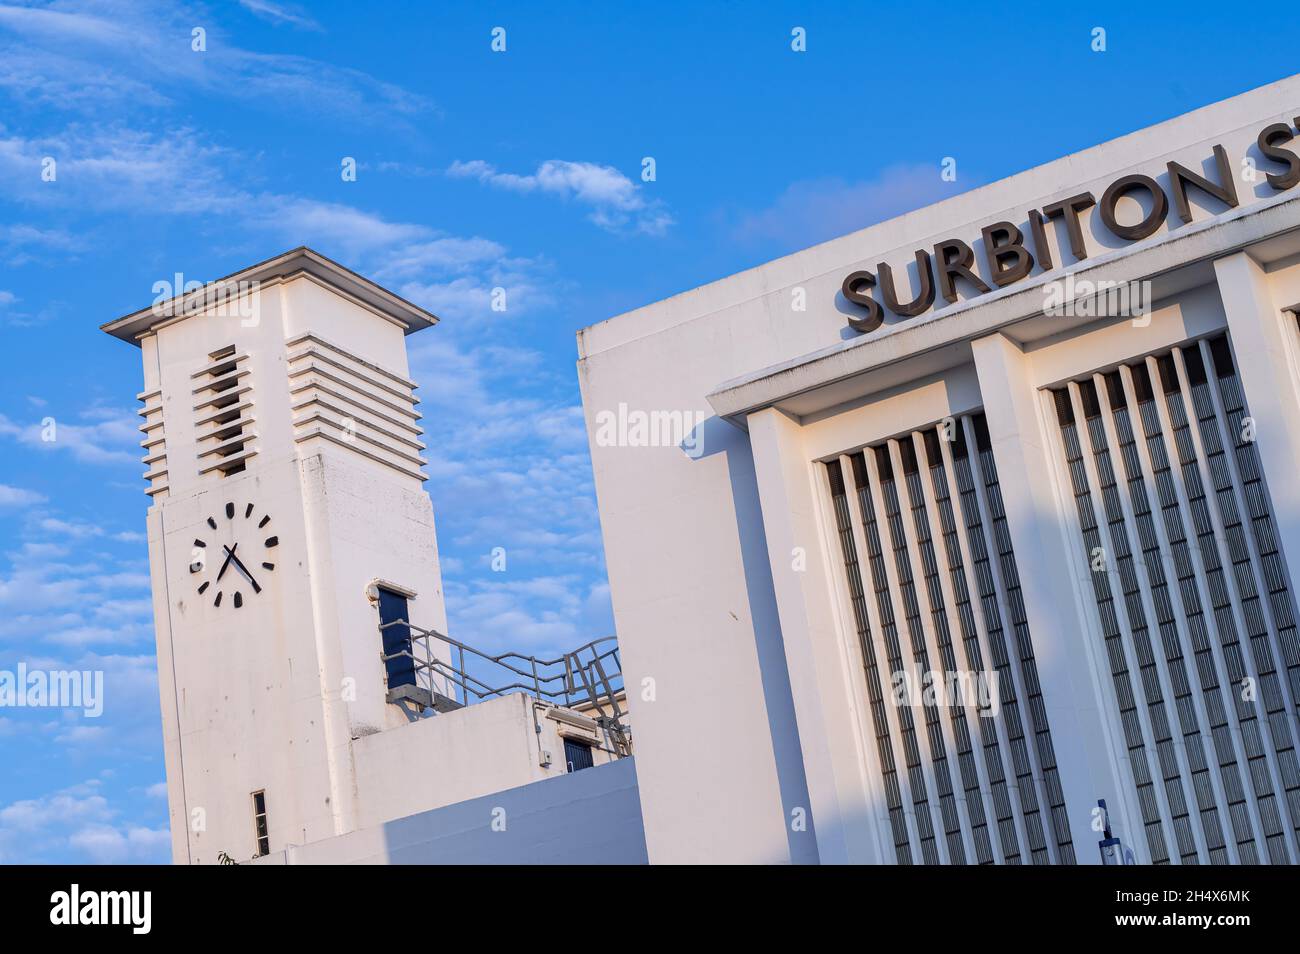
(716, 436)
(584, 818)
(591, 817)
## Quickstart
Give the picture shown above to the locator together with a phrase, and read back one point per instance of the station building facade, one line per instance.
(927, 541)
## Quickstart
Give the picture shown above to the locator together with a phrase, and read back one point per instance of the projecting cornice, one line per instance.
(299, 261)
(827, 377)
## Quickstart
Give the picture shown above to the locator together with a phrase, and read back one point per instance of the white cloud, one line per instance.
(618, 203)
(19, 497)
(447, 254)
(118, 170)
(82, 735)
(21, 243)
(336, 224)
(51, 595)
(104, 440)
(66, 807)
(70, 528)
(106, 844)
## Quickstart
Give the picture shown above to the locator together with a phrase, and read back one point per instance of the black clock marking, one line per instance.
(232, 560)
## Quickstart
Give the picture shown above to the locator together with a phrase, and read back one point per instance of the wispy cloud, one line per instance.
(19, 497)
(21, 243)
(280, 13)
(83, 55)
(817, 210)
(618, 204)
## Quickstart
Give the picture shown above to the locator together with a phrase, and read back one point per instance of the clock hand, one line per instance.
(230, 553)
(239, 565)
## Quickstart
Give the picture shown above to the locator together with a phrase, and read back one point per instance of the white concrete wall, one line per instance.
(270, 695)
(451, 757)
(591, 818)
(700, 549)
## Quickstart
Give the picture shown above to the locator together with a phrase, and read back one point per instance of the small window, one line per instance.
(259, 824)
(396, 638)
(577, 755)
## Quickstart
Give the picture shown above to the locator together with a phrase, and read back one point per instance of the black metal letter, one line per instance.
(1180, 177)
(959, 265)
(1002, 240)
(924, 297)
(875, 314)
(1123, 186)
(1040, 240)
(1068, 210)
(1270, 144)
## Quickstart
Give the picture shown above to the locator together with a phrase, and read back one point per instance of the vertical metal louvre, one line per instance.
(938, 591)
(1194, 613)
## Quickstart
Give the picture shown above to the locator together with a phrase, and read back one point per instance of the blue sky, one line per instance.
(476, 169)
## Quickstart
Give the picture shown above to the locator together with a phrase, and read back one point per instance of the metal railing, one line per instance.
(450, 674)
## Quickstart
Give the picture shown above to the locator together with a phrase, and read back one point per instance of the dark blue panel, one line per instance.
(392, 607)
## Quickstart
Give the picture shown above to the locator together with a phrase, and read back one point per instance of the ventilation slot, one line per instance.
(224, 413)
(154, 443)
(1194, 616)
(343, 400)
(968, 777)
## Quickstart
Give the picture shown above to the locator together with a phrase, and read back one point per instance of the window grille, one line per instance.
(964, 783)
(1193, 612)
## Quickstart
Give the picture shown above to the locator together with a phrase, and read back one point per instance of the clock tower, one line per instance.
(283, 461)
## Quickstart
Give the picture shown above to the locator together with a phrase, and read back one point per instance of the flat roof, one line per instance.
(132, 327)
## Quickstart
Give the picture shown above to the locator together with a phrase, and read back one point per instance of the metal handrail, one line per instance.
(589, 676)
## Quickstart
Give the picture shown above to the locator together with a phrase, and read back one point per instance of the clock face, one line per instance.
(235, 557)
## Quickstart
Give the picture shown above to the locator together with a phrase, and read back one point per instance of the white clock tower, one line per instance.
(283, 458)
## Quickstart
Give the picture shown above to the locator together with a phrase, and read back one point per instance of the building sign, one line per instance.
(1010, 256)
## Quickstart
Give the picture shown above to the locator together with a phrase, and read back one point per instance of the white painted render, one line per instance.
(486, 747)
(755, 710)
(590, 818)
(286, 693)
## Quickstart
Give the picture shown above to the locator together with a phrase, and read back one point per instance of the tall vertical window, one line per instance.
(969, 776)
(1193, 611)
(394, 619)
(260, 830)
